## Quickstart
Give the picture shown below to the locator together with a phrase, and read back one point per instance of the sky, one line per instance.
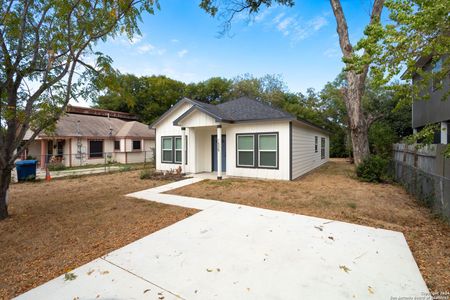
(183, 42)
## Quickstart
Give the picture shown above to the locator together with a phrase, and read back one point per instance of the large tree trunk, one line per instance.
(5, 179)
(358, 123)
(359, 129)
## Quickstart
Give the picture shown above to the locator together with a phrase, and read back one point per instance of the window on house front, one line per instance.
(136, 145)
(322, 148)
(246, 150)
(178, 149)
(117, 145)
(96, 149)
(171, 149)
(316, 144)
(167, 149)
(267, 150)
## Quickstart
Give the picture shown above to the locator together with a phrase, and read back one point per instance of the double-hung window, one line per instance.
(246, 150)
(322, 148)
(257, 150)
(167, 149)
(171, 149)
(268, 150)
(316, 144)
(178, 149)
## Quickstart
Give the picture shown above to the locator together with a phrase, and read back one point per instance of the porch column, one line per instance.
(219, 152)
(43, 153)
(444, 132)
(183, 150)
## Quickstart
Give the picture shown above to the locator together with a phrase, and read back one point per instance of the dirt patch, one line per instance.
(59, 225)
(332, 192)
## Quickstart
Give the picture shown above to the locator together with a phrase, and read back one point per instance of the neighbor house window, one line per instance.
(136, 145)
(96, 149)
(436, 82)
(316, 144)
(178, 149)
(117, 145)
(246, 150)
(167, 149)
(267, 150)
(322, 148)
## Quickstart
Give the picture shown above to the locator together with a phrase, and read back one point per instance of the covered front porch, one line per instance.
(204, 154)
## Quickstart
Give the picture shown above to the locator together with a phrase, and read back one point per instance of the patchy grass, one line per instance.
(333, 192)
(59, 225)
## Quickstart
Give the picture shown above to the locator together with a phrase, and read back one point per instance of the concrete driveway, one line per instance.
(230, 251)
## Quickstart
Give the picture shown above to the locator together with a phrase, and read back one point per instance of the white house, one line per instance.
(257, 140)
(84, 136)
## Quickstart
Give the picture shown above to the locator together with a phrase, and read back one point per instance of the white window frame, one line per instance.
(276, 150)
(167, 149)
(251, 151)
(177, 150)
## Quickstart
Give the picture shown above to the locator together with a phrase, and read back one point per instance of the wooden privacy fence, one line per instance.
(425, 173)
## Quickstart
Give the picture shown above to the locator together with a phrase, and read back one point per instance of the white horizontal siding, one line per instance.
(282, 128)
(166, 128)
(304, 157)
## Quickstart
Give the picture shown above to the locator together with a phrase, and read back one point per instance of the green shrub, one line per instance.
(373, 169)
(147, 174)
(56, 167)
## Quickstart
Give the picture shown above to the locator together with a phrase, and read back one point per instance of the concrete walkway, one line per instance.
(230, 251)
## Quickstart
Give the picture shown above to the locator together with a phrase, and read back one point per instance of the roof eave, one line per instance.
(309, 124)
(176, 122)
(184, 100)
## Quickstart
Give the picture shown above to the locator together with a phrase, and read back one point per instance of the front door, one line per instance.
(214, 153)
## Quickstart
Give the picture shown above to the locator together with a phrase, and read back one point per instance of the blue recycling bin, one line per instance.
(26, 170)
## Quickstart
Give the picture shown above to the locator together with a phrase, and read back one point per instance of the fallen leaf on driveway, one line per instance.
(319, 228)
(344, 268)
(69, 276)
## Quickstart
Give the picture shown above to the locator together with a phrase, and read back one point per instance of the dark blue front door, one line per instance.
(214, 153)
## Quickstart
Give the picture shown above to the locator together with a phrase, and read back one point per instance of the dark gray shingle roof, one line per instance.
(244, 109)
(241, 109)
(237, 110)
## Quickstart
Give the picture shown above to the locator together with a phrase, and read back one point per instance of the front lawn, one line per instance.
(332, 192)
(59, 225)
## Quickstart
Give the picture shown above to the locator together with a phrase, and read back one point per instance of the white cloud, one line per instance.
(150, 49)
(145, 48)
(318, 22)
(136, 39)
(262, 15)
(285, 25)
(182, 53)
(174, 41)
(296, 29)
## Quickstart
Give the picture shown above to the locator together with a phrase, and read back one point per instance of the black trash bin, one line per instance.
(26, 169)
